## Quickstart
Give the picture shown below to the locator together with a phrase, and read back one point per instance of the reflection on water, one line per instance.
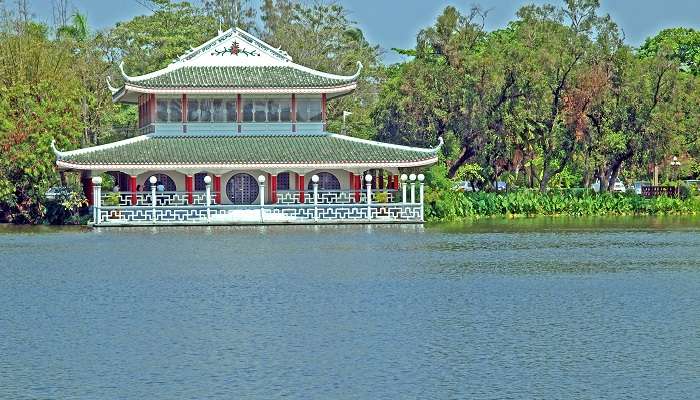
(541, 308)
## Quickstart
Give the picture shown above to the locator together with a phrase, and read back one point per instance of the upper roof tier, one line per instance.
(234, 62)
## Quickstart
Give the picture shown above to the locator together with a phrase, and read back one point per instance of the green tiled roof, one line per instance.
(289, 149)
(240, 77)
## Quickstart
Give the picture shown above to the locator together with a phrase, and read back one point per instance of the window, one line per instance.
(211, 110)
(162, 179)
(199, 185)
(326, 181)
(283, 181)
(267, 110)
(242, 189)
(308, 110)
(169, 110)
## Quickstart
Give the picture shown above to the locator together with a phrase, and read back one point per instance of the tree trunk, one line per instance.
(465, 155)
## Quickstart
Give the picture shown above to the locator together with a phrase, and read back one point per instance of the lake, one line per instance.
(497, 309)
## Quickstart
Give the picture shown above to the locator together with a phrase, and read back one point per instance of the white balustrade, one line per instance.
(319, 207)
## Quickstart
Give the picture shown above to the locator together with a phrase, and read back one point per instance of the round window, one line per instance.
(242, 189)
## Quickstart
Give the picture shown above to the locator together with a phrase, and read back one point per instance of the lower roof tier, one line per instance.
(259, 151)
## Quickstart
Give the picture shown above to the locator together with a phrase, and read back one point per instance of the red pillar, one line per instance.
(380, 172)
(395, 182)
(132, 188)
(239, 115)
(273, 189)
(183, 108)
(300, 187)
(86, 181)
(152, 108)
(294, 113)
(189, 187)
(358, 186)
(217, 189)
(324, 112)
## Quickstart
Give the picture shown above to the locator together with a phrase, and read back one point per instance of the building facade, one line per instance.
(235, 132)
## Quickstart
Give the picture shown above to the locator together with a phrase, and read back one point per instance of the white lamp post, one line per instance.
(368, 180)
(261, 180)
(315, 180)
(207, 182)
(421, 191)
(412, 178)
(96, 198)
(404, 178)
(153, 181)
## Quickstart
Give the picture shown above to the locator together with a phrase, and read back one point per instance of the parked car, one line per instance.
(463, 186)
(57, 191)
(618, 187)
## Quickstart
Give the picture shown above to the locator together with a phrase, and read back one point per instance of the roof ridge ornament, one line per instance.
(124, 75)
(441, 142)
(59, 154)
(110, 87)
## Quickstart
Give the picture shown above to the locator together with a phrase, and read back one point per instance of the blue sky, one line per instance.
(394, 23)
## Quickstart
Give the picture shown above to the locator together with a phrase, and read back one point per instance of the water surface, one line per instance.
(498, 309)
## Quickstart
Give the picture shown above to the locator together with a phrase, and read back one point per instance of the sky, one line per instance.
(395, 23)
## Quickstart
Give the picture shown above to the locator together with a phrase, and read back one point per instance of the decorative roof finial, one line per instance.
(110, 87)
(58, 153)
(359, 69)
(124, 75)
(441, 142)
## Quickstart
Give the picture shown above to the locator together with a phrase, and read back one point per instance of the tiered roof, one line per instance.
(234, 62)
(246, 151)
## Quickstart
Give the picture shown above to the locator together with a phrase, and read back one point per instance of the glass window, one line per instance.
(162, 110)
(219, 112)
(205, 110)
(283, 181)
(175, 111)
(260, 111)
(193, 110)
(248, 111)
(231, 111)
(266, 110)
(169, 110)
(308, 111)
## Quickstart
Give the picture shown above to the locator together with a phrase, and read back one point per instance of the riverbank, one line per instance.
(448, 205)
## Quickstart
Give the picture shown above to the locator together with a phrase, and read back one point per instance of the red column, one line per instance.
(86, 181)
(183, 108)
(239, 115)
(324, 112)
(273, 189)
(152, 109)
(132, 188)
(217, 188)
(189, 187)
(381, 179)
(395, 182)
(358, 186)
(294, 113)
(300, 187)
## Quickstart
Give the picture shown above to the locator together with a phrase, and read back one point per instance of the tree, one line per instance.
(231, 13)
(679, 44)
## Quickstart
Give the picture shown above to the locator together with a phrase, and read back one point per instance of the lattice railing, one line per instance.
(116, 208)
(297, 213)
(336, 196)
(146, 198)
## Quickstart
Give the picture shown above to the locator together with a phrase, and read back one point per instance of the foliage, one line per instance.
(448, 205)
(66, 207)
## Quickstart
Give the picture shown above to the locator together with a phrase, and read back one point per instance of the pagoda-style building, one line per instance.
(234, 131)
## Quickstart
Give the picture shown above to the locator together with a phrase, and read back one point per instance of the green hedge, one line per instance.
(444, 204)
